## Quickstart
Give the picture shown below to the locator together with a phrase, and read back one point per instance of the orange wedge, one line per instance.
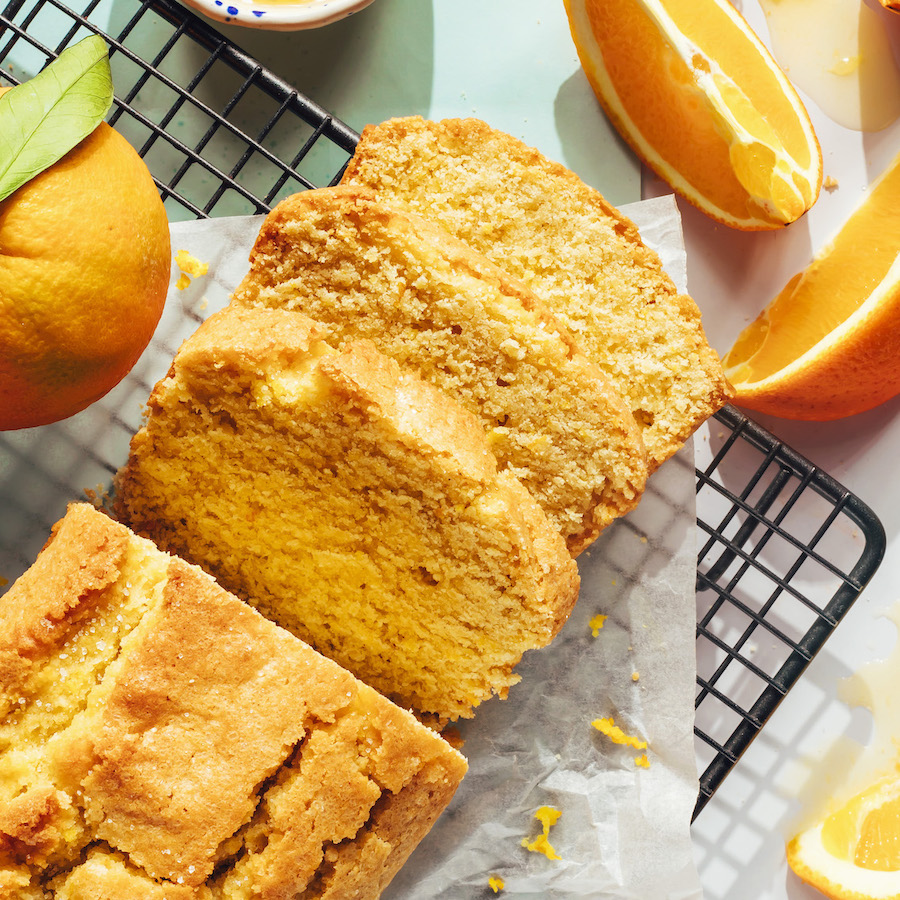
(854, 853)
(828, 345)
(703, 103)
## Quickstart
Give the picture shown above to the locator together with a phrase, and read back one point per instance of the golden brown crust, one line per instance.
(157, 787)
(228, 342)
(238, 338)
(396, 819)
(109, 876)
(405, 769)
(539, 220)
(31, 825)
(362, 206)
(39, 609)
(197, 718)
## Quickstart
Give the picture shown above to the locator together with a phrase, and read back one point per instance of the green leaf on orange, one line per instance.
(42, 119)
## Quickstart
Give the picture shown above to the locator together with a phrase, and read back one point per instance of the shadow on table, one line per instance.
(366, 68)
(796, 762)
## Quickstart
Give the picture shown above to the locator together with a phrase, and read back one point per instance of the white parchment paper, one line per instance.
(624, 829)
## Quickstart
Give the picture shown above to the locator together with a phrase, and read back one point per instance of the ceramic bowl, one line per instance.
(278, 16)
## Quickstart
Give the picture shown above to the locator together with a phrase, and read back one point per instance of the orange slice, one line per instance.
(701, 100)
(828, 345)
(854, 853)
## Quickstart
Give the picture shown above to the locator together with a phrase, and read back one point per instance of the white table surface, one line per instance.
(512, 63)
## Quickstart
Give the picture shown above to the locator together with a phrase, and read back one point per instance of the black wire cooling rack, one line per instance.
(784, 550)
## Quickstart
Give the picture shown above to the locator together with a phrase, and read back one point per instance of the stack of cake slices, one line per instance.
(436, 386)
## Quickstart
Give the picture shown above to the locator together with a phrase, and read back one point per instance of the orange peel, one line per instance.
(702, 102)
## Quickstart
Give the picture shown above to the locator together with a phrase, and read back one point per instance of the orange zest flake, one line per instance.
(190, 266)
(496, 883)
(547, 816)
(597, 623)
(616, 735)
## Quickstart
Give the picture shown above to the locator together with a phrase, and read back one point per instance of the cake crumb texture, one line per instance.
(161, 740)
(351, 502)
(363, 270)
(580, 256)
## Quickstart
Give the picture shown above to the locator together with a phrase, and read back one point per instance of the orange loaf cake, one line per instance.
(351, 502)
(365, 271)
(160, 740)
(579, 255)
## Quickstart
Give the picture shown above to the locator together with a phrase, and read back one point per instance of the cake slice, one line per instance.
(160, 739)
(579, 255)
(351, 502)
(365, 271)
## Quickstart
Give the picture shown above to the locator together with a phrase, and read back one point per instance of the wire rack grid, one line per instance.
(784, 550)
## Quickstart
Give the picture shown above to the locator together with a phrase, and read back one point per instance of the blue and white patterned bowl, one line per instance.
(278, 16)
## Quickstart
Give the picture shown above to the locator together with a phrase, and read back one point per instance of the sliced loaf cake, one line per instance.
(351, 502)
(365, 271)
(159, 739)
(579, 255)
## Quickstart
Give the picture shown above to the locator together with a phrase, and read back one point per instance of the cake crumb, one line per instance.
(642, 761)
(99, 497)
(635, 676)
(596, 623)
(616, 735)
(547, 816)
(496, 883)
(829, 182)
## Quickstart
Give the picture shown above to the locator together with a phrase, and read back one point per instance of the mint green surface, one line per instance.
(509, 62)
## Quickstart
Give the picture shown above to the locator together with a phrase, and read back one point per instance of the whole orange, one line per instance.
(84, 268)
